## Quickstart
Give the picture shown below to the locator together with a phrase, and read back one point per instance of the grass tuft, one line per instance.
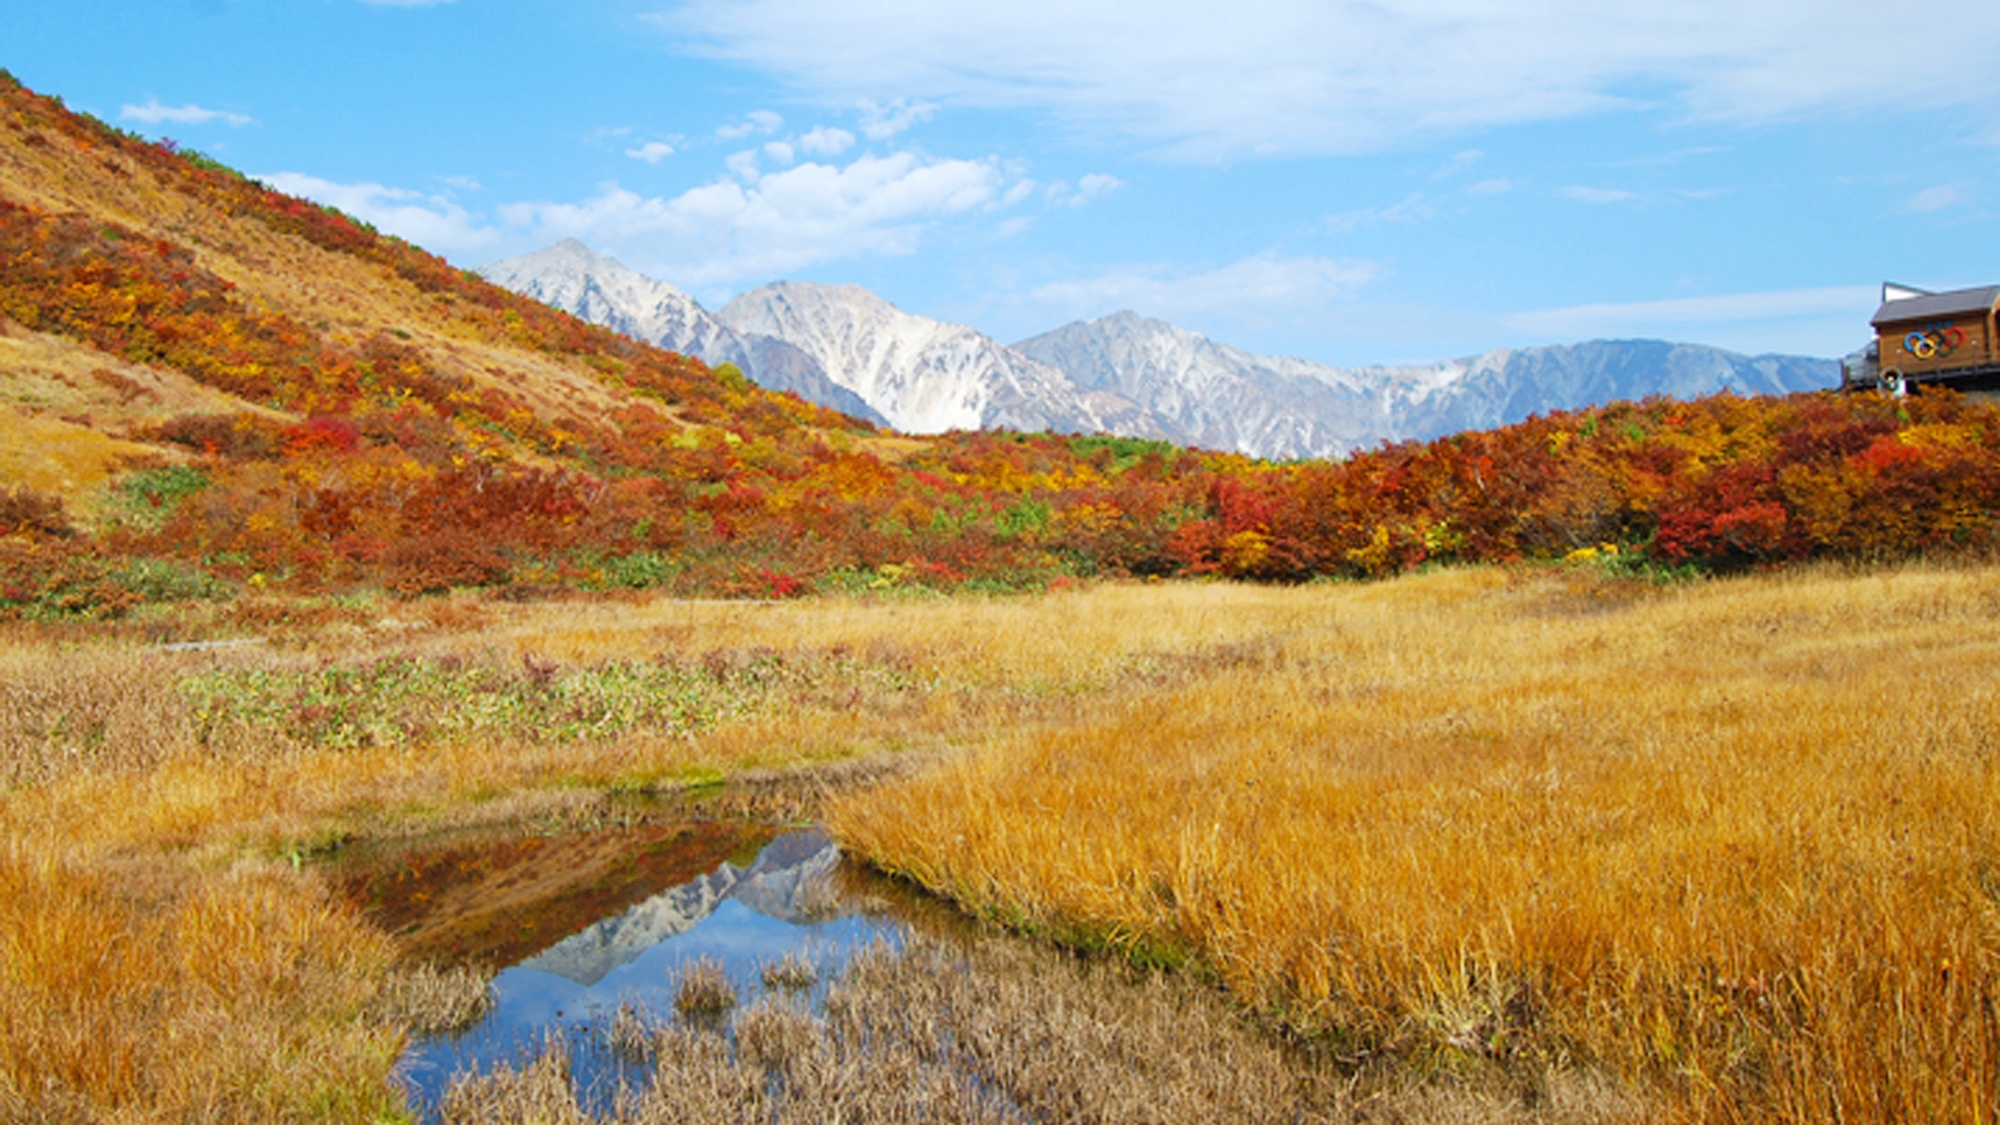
(703, 989)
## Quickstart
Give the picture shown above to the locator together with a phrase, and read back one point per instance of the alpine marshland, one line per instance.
(1635, 763)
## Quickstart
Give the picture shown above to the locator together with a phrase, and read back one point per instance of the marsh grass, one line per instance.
(433, 1000)
(151, 995)
(792, 973)
(702, 990)
(983, 1031)
(1728, 846)
(1733, 840)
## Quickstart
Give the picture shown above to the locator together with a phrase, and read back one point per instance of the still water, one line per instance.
(745, 915)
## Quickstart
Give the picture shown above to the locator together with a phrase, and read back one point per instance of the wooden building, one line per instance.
(1938, 339)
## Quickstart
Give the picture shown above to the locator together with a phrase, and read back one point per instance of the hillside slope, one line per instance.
(209, 387)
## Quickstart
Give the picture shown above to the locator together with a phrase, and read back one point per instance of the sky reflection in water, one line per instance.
(745, 918)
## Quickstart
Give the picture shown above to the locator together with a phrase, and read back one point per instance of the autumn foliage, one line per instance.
(369, 460)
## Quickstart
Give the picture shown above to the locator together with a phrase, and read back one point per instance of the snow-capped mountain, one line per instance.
(572, 277)
(1506, 386)
(777, 885)
(1213, 395)
(926, 375)
(844, 347)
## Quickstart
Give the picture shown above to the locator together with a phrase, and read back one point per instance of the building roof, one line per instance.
(1933, 306)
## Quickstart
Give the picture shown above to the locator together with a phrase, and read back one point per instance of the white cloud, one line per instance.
(432, 221)
(1287, 76)
(1098, 183)
(153, 113)
(880, 121)
(757, 226)
(1458, 163)
(1497, 186)
(823, 141)
(1736, 316)
(1260, 290)
(759, 121)
(1411, 209)
(1598, 196)
(406, 3)
(652, 152)
(780, 151)
(1934, 199)
(1092, 186)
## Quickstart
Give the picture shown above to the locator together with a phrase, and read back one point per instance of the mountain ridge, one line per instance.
(212, 388)
(1133, 376)
(600, 289)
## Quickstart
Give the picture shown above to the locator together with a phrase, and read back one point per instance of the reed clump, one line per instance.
(433, 999)
(703, 989)
(1734, 841)
(791, 972)
(979, 1031)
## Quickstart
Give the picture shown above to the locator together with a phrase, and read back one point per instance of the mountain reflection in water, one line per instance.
(786, 901)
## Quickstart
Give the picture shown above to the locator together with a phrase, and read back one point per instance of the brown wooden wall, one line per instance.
(1974, 344)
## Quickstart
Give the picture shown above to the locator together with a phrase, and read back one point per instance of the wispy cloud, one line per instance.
(1412, 208)
(823, 141)
(882, 120)
(407, 3)
(1598, 196)
(1288, 76)
(434, 222)
(1711, 318)
(153, 113)
(1459, 162)
(1092, 186)
(652, 152)
(757, 121)
(756, 226)
(1259, 289)
(1935, 199)
(1500, 185)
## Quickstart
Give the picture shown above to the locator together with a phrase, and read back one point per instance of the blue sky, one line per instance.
(1355, 182)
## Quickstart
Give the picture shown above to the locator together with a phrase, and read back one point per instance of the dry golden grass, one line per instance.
(1739, 841)
(1734, 842)
(128, 995)
(131, 822)
(985, 1031)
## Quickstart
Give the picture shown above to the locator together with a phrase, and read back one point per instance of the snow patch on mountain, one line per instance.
(926, 375)
(572, 277)
(1210, 394)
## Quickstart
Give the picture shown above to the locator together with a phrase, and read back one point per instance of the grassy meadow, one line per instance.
(1725, 850)
(1737, 842)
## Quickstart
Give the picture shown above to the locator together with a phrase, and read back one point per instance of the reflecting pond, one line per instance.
(527, 905)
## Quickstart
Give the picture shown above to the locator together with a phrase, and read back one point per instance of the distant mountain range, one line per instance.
(844, 347)
(569, 276)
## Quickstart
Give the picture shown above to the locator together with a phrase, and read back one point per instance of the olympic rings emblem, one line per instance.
(1932, 342)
